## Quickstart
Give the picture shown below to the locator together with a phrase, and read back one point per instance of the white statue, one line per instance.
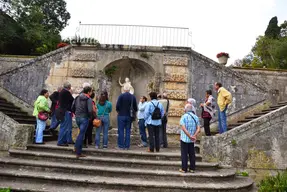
(127, 82)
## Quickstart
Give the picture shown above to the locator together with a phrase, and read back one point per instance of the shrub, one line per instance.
(5, 190)
(276, 183)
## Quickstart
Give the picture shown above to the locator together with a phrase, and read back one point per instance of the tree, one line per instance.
(54, 14)
(41, 22)
(5, 5)
(273, 30)
(283, 27)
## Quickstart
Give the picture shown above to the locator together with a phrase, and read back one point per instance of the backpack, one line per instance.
(156, 114)
(73, 108)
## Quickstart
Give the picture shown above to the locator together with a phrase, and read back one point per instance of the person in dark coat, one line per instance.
(55, 104)
(64, 114)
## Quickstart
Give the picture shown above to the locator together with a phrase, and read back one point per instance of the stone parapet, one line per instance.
(258, 144)
(13, 134)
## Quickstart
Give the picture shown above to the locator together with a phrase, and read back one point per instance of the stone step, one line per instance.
(244, 121)
(261, 113)
(112, 153)
(267, 110)
(48, 137)
(23, 118)
(10, 105)
(121, 184)
(282, 103)
(9, 109)
(274, 107)
(119, 172)
(3, 100)
(106, 161)
(29, 122)
(17, 113)
(253, 117)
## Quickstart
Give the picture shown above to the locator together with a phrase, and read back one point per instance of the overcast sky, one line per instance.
(216, 25)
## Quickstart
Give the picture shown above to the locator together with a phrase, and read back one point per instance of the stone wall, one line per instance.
(205, 72)
(13, 134)
(8, 63)
(258, 144)
(27, 80)
(274, 79)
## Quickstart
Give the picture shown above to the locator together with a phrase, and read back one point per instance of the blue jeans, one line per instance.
(143, 132)
(222, 120)
(65, 135)
(82, 123)
(54, 122)
(41, 125)
(104, 128)
(124, 131)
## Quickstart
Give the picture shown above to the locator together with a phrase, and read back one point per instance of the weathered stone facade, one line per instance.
(180, 72)
(8, 63)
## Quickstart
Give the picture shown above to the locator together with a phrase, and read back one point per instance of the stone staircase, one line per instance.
(21, 117)
(52, 168)
(254, 116)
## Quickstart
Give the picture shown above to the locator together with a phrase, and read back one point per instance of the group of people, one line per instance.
(152, 114)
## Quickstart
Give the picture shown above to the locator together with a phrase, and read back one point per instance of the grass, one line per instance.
(276, 183)
(18, 56)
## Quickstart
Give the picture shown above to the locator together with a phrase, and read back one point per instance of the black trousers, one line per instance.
(153, 135)
(88, 136)
(162, 135)
(187, 150)
(206, 125)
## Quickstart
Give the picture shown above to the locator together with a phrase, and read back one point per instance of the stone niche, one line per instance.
(141, 75)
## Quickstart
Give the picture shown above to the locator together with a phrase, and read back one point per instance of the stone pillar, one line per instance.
(175, 84)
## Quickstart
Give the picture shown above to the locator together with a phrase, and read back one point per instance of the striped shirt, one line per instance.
(190, 125)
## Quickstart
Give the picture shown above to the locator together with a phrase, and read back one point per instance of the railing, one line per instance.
(140, 35)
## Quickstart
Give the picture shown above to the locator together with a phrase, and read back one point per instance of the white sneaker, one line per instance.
(96, 147)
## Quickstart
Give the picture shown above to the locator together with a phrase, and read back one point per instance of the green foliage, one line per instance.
(270, 50)
(145, 55)
(276, 183)
(233, 142)
(110, 71)
(40, 23)
(242, 173)
(5, 190)
(273, 30)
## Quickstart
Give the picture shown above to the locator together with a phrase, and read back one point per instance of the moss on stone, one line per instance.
(258, 159)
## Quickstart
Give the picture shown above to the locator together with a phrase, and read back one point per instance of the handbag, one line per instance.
(43, 116)
(98, 122)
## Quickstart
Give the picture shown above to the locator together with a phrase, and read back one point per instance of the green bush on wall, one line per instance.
(5, 190)
(276, 183)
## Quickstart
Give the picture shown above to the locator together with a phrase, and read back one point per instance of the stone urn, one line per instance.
(222, 60)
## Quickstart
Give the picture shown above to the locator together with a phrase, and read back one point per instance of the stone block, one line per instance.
(60, 72)
(177, 104)
(176, 112)
(174, 86)
(176, 69)
(82, 72)
(85, 57)
(177, 61)
(176, 78)
(177, 95)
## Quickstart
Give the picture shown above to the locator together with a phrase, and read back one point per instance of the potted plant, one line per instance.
(222, 57)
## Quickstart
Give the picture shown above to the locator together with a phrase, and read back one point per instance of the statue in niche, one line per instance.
(127, 81)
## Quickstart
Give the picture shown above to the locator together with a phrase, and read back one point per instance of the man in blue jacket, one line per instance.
(153, 115)
(126, 105)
